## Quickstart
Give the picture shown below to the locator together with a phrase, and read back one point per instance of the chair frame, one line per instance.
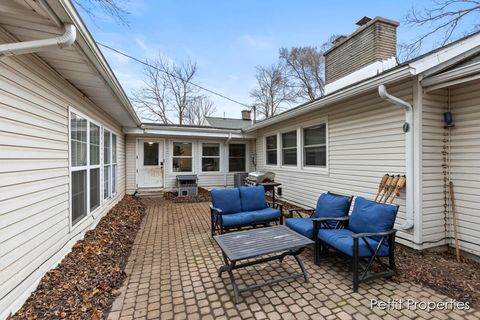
(360, 274)
(217, 226)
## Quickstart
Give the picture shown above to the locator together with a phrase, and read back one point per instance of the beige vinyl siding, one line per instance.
(205, 179)
(34, 173)
(433, 222)
(131, 167)
(465, 163)
(365, 141)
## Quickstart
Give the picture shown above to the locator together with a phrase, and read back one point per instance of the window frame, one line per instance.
(86, 168)
(304, 165)
(288, 130)
(300, 156)
(228, 157)
(276, 135)
(171, 147)
(220, 160)
(111, 165)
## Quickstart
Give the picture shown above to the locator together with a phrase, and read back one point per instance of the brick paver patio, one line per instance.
(172, 274)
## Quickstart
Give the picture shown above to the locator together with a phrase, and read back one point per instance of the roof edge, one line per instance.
(92, 51)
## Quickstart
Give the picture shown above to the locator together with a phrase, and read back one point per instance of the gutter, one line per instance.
(396, 74)
(408, 129)
(63, 41)
(225, 153)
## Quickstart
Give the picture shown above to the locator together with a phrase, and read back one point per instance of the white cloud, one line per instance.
(259, 42)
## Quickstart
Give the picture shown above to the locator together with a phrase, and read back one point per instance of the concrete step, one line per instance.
(150, 193)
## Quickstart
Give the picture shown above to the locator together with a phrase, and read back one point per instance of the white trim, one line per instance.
(266, 149)
(393, 75)
(161, 160)
(86, 168)
(309, 124)
(192, 142)
(220, 166)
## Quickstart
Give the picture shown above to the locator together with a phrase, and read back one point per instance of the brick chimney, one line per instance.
(375, 40)
(246, 115)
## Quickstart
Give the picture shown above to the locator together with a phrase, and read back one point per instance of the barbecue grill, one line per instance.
(187, 185)
(258, 177)
(265, 179)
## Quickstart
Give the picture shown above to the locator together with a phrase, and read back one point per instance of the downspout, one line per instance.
(62, 41)
(229, 137)
(382, 91)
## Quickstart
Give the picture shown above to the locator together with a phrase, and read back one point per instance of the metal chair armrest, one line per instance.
(217, 210)
(346, 218)
(374, 234)
(298, 210)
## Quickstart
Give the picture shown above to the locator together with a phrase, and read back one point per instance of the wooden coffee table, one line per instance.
(259, 246)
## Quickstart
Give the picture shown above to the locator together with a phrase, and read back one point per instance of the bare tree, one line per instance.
(113, 8)
(178, 81)
(153, 99)
(305, 66)
(445, 18)
(198, 109)
(274, 90)
(169, 95)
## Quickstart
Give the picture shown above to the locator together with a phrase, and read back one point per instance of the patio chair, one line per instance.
(328, 205)
(368, 235)
(236, 208)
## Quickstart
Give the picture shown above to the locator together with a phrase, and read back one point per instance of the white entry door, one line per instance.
(150, 163)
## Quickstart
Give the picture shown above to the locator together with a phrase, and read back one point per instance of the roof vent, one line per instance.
(363, 21)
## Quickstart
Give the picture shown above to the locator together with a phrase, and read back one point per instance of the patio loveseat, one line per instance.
(368, 235)
(236, 208)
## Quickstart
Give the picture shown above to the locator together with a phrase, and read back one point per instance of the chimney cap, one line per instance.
(246, 114)
(363, 21)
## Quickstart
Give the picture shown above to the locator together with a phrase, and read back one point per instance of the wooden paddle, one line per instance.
(402, 181)
(391, 187)
(454, 221)
(381, 185)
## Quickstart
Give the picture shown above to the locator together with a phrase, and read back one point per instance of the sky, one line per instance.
(228, 39)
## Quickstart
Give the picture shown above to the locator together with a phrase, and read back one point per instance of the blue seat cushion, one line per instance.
(253, 198)
(330, 205)
(237, 219)
(227, 199)
(267, 214)
(304, 226)
(342, 240)
(370, 216)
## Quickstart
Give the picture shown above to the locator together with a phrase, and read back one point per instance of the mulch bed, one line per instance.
(440, 271)
(436, 270)
(202, 196)
(86, 282)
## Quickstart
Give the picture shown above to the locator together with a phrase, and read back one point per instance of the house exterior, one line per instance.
(71, 145)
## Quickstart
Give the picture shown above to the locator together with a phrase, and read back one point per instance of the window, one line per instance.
(289, 148)
(211, 157)
(271, 146)
(182, 157)
(89, 153)
(94, 166)
(85, 166)
(314, 146)
(150, 153)
(79, 166)
(110, 174)
(237, 157)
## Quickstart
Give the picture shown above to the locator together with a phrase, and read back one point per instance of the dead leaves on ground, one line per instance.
(85, 283)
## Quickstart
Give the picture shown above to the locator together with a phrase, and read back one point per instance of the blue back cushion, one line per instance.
(227, 199)
(253, 198)
(370, 216)
(333, 206)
